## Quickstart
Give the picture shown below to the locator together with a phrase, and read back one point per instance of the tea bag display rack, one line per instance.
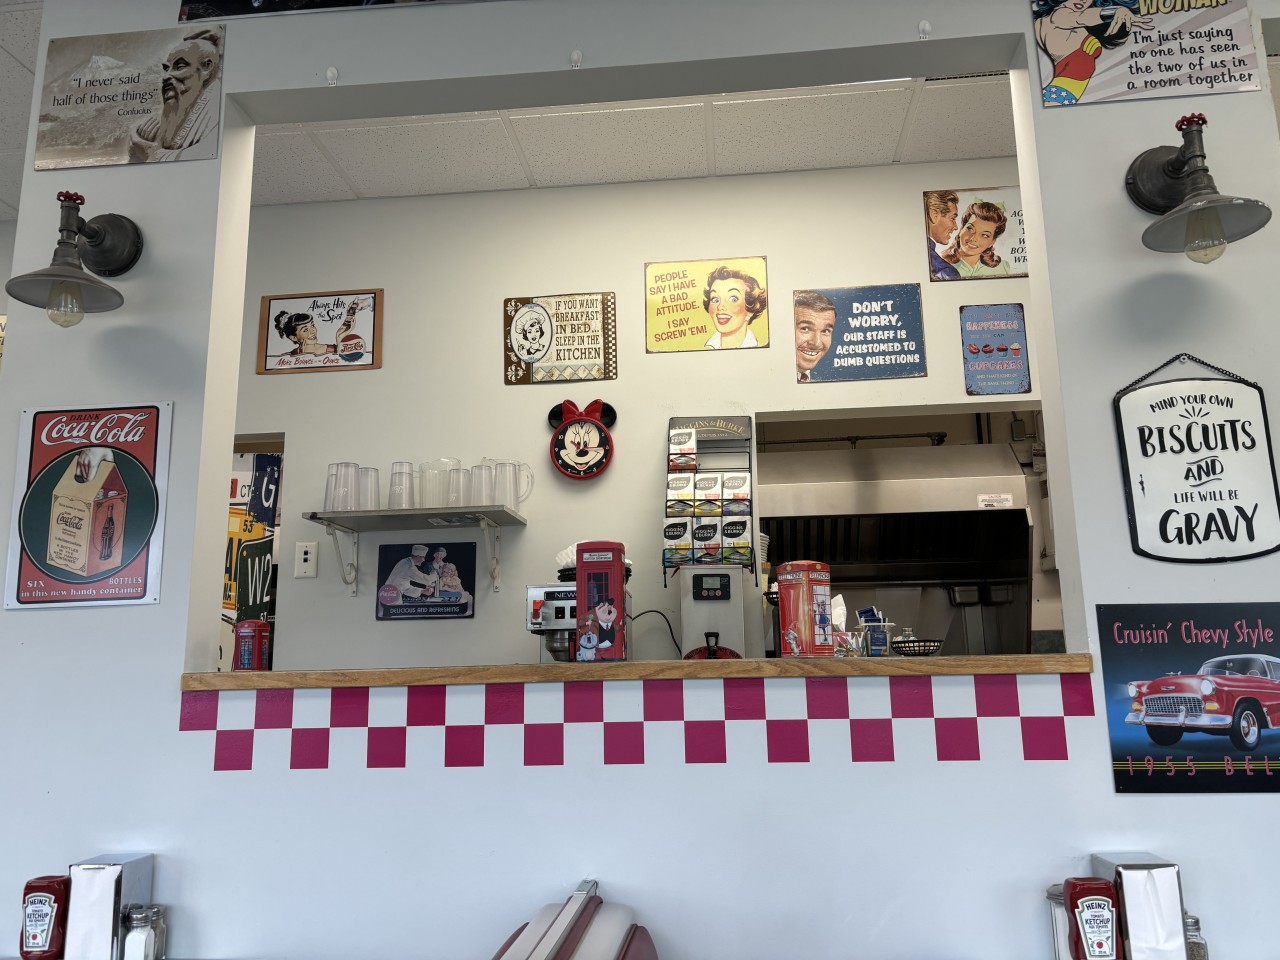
(721, 446)
(490, 520)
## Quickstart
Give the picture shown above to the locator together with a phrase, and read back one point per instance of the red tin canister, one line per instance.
(601, 582)
(253, 645)
(804, 609)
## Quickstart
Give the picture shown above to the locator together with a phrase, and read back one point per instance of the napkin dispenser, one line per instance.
(101, 890)
(1150, 891)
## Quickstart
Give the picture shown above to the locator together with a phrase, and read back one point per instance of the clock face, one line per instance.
(581, 449)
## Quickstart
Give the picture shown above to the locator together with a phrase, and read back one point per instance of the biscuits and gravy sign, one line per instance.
(1200, 480)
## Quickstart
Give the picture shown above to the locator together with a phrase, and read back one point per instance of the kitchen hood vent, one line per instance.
(943, 548)
(941, 515)
(922, 479)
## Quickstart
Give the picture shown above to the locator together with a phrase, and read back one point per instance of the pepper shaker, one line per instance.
(1197, 948)
(161, 930)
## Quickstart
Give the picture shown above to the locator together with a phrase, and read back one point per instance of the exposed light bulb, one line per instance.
(926, 29)
(575, 60)
(1205, 239)
(66, 303)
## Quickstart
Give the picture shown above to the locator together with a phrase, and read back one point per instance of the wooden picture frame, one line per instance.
(346, 332)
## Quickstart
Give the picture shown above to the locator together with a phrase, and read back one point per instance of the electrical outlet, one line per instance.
(305, 559)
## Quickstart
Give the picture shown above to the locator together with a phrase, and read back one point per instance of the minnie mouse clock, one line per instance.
(581, 447)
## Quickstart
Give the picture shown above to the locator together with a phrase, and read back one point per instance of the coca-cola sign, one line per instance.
(111, 428)
(88, 513)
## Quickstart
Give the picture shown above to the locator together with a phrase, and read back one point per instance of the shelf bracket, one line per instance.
(492, 551)
(347, 571)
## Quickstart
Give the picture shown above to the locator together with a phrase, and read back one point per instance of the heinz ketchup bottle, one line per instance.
(1093, 916)
(44, 918)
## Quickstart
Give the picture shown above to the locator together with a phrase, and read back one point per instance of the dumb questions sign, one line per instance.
(878, 334)
(1199, 475)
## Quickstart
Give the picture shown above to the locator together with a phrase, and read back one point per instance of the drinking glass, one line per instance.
(330, 486)
(459, 487)
(401, 496)
(482, 485)
(368, 491)
(344, 485)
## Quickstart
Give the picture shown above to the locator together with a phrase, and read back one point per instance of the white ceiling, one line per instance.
(19, 39)
(907, 121)
(898, 121)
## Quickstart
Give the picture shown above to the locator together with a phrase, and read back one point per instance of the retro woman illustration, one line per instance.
(301, 329)
(1073, 33)
(733, 300)
(973, 250)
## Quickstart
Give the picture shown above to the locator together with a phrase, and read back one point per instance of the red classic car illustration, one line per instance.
(1235, 695)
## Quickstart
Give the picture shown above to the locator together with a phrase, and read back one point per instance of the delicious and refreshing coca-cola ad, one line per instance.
(88, 513)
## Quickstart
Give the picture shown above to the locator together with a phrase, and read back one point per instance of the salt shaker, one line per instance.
(139, 938)
(1197, 948)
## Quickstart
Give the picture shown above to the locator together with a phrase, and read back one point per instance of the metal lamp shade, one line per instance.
(34, 288)
(1239, 215)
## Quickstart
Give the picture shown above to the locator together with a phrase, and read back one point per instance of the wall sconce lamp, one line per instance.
(109, 245)
(1195, 219)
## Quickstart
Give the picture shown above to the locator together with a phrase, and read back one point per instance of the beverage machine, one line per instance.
(712, 620)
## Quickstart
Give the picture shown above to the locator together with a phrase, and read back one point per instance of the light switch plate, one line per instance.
(305, 559)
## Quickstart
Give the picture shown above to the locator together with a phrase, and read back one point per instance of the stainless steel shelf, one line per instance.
(427, 518)
(490, 520)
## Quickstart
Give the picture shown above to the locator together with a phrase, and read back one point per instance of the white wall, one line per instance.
(440, 390)
(280, 863)
(8, 229)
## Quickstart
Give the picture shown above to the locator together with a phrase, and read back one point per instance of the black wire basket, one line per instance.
(914, 646)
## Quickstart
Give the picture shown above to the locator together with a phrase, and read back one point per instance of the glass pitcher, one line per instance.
(512, 482)
(435, 481)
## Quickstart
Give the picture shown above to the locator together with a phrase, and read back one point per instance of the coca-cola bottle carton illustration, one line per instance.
(87, 519)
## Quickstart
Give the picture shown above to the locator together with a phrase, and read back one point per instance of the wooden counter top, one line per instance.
(642, 670)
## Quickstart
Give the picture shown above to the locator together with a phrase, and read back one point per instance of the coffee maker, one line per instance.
(551, 612)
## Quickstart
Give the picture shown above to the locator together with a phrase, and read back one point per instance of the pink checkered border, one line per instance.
(785, 720)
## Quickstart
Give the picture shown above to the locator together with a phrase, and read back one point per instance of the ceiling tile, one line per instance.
(11, 163)
(288, 168)
(20, 35)
(961, 120)
(16, 86)
(613, 145)
(418, 158)
(853, 128)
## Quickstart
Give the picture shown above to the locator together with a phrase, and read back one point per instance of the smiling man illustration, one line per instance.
(815, 317)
